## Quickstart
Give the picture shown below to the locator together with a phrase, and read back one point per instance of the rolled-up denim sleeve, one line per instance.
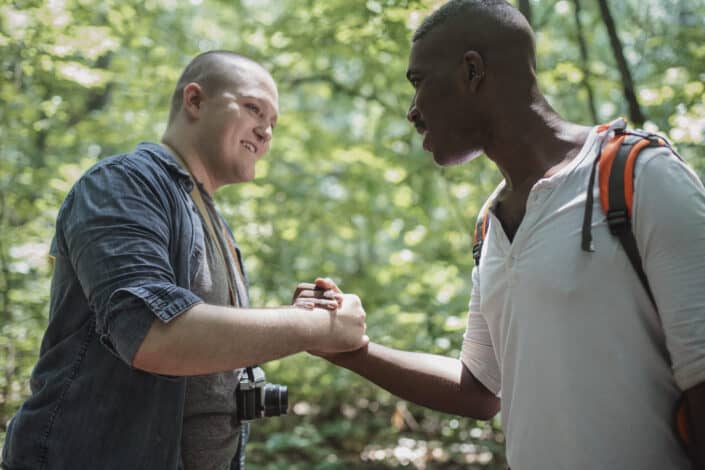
(116, 232)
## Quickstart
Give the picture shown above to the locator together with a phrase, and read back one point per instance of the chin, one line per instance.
(243, 179)
(242, 175)
(446, 158)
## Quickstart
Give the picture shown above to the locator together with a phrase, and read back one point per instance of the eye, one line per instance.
(252, 107)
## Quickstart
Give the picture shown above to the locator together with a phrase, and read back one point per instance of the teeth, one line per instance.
(249, 147)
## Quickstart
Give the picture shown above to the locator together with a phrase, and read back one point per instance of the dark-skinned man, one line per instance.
(588, 371)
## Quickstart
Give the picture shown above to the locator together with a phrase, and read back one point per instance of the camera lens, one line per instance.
(276, 400)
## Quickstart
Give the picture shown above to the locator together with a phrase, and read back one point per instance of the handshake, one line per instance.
(345, 325)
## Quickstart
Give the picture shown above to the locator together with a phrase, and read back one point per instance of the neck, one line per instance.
(534, 142)
(189, 157)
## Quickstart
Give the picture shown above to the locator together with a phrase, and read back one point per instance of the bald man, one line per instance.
(150, 323)
(588, 371)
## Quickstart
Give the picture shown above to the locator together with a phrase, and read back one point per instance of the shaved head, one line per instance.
(214, 71)
(493, 28)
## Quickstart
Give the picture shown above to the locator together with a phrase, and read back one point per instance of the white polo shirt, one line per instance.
(570, 338)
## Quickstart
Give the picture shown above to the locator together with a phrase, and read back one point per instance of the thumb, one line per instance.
(327, 283)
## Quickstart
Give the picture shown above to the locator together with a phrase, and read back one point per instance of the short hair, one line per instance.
(212, 70)
(458, 7)
(499, 22)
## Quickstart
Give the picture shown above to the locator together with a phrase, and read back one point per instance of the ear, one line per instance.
(474, 68)
(192, 99)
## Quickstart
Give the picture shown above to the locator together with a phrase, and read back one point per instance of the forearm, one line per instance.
(436, 382)
(208, 338)
(695, 398)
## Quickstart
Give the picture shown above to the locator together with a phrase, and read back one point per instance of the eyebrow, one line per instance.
(266, 103)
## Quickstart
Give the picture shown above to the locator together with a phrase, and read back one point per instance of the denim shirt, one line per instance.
(128, 243)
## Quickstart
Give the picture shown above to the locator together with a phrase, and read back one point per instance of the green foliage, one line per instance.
(346, 191)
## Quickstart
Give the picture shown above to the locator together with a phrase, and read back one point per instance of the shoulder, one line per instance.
(147, 170)
(669, 197)
(146, 161)
(143, 179)
(659, 169)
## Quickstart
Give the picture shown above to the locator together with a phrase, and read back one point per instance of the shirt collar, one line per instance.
(164, 156)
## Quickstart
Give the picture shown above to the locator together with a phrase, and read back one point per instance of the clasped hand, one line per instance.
(347, 316)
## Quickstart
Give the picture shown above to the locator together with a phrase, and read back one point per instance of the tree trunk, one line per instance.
(525, 9)
(635, 114)
(584, 61)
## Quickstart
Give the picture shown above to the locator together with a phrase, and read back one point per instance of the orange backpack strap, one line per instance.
(683, 424)
(480, 233)
(617, 196)
(610, 131)
(619, 151)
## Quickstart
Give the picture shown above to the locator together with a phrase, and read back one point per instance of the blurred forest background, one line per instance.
(346, 190)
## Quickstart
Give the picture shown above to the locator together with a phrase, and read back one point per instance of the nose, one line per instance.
(264, 133)
(413, 114)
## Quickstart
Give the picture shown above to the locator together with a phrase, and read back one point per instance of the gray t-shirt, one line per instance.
(211, 432)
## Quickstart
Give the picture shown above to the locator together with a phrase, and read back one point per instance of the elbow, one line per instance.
(148, 361)
(151, 356)
(481, 408)
(488, 410)
(157, 365)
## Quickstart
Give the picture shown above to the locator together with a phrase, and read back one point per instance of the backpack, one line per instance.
(619, 150)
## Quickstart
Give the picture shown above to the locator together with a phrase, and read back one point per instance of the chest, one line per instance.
(510, 211)
(532, 248)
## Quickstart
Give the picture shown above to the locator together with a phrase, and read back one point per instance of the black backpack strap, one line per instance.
(612, 131)
(619, 212)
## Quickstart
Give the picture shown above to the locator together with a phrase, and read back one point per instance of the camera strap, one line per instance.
(235, 276)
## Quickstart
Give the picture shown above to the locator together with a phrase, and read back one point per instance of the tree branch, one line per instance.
(525, 9)
(584, 62)
(635, 113)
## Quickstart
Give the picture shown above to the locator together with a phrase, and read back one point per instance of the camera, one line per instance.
(258, 399)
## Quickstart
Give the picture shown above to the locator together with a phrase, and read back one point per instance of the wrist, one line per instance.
(313, 326)
(348, 359)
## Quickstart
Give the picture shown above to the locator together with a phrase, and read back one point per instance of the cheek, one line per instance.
(234, 127)
(431, 105)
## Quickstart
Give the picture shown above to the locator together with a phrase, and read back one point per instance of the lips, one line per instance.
(427, 142)
(249, 146)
